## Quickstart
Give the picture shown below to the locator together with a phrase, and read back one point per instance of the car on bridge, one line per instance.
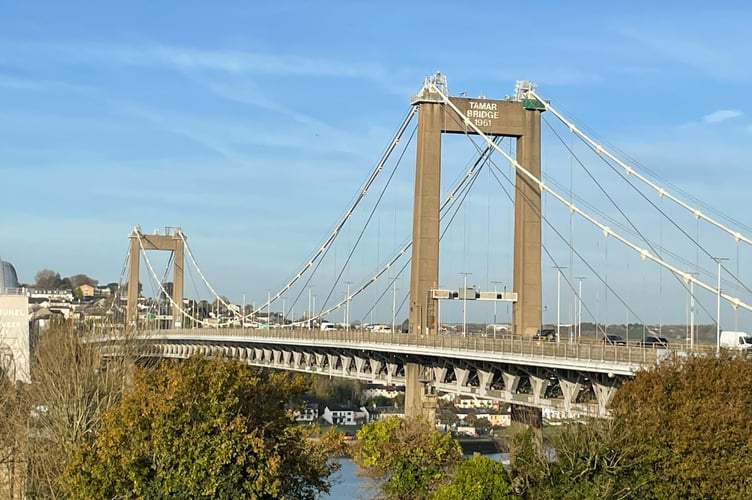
(546, 334)
(655, 342)
(614, 340)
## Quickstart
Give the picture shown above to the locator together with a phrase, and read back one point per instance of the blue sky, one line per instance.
(252, 124)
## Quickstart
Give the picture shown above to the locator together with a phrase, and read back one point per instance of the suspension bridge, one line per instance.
(563, 207)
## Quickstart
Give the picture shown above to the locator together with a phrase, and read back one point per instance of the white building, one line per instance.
(308, 414)
(346, 416)
(381, 412)
(387, 391)
(467, 402)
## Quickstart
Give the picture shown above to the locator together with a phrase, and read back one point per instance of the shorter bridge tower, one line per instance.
(173, 240)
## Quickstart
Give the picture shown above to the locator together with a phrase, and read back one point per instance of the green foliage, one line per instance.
(679, 430)
(203, 429)
(592, 462)
(688, 424)
(47, 279)
(528, 467)
(477, 478)
(379, 401)
(330, 391)
(482, 425)
(410, 454)
(72, 387)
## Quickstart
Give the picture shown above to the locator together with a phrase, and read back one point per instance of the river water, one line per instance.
(349, 485)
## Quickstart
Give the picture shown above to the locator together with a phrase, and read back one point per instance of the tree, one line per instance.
(478, 478)
(11, 462)
(688, 426)
(81, 279)
(410, 454)
(335, 391)
(592, 462)
(528, 468)
(482, 425)
(72, 385)
(679, 430)
(47, 279)
(447, 416)
(379, 401)
(203, 429)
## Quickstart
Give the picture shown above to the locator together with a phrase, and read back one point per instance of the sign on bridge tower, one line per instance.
(519, 118)
(173, 240)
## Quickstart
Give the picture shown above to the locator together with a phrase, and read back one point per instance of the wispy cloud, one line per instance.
(234, 139)
(246, 92)
(718, 56)
(228, 61)
(721, 115)
(38, 85)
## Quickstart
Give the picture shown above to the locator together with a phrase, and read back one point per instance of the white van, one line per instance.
(736, 340)
(327, 326)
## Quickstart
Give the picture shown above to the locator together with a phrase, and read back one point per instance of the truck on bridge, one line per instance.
(736, 340)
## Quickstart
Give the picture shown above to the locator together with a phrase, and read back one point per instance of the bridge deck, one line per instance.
(617, 359)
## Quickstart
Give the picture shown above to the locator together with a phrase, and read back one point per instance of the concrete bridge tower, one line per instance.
(518, 118)
(173, 241)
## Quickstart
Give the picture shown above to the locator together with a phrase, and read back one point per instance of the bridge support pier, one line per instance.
(420, 395)
(346, 362)
(391, 372)
(539, 388)
(413, 391)
(604, 393)
(439, 374)
(360, 363)
(462, 375)
(332, 358)
(511, 382)
(486, 379)
(570, 390)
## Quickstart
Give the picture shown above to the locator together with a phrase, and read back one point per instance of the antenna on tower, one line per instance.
(521, 88)
(439, 80)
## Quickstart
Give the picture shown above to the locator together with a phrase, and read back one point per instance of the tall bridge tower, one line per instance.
(173, 241)
(518, 118)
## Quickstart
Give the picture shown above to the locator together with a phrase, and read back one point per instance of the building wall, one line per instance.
(14, 336)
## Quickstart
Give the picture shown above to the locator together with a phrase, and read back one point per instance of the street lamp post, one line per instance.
(509, 315)
(692, 310)
(494, 311)
(269, 308)
(347, 307)
(394, 300)
(464, 305)
(718, 261)
(558, 299)
(691, 315)
(309, 308)
(579, 306)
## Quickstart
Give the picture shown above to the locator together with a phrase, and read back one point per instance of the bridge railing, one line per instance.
(591, 352)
